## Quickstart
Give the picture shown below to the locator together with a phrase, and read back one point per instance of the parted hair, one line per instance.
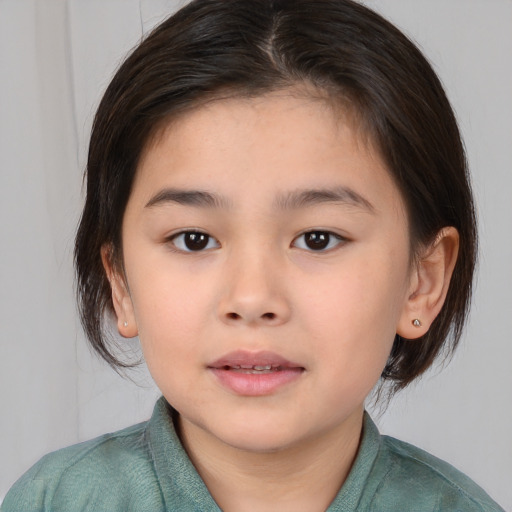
(247, 48)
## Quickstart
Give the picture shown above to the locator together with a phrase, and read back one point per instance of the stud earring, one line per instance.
(125, 323)
(416, 322)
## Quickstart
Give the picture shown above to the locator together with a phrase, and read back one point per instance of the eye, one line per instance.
(193, 241)
(318, 241)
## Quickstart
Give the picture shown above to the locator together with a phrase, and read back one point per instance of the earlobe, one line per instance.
(123, 307)
(430, 280)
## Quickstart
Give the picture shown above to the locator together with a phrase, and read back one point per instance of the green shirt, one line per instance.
(144, 468)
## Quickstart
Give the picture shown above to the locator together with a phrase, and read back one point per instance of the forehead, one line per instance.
(273, 143)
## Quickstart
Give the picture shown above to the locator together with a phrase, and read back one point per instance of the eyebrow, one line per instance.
(311, 197)
(196, 198)
(290, 201)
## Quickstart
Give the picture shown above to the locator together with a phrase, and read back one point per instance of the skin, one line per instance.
(257, 286)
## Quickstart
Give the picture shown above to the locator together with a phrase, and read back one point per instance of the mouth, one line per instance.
(255, 374)
(253, 369)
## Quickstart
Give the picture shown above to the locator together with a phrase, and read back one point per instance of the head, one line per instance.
(332, 51)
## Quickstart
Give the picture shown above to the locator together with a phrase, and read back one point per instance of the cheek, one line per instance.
(169, 324)
(350, 336)
(170, 311)
(352, 316)
(164, 292)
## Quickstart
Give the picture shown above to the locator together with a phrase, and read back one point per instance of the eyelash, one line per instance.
(321, 236)
(325, 240)
(193, 234)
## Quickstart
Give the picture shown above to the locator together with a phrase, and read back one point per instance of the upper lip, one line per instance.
(240, 358)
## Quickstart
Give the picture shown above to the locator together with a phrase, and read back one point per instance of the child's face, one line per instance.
(300, 261)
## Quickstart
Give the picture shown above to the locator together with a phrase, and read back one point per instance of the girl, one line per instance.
(278, 206)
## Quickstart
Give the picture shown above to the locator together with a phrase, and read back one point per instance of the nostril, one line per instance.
(236, 316)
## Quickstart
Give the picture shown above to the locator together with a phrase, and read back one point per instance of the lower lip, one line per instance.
(255, 384)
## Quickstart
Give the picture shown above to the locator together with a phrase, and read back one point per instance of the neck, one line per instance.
(303, 477)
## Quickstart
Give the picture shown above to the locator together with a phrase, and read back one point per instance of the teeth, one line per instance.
(256, 368)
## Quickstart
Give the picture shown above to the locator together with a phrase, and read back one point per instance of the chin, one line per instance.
(259, 442)
(260, 435)
(248, 431)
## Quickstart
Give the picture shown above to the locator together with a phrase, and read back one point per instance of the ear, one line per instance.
(123, 306)
(430, 279)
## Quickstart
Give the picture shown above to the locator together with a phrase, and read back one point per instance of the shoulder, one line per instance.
(94, 475)
(430, 483)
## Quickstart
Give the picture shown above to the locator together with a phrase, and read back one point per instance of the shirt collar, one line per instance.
(358, 480)
(182, 487)
(184, 490)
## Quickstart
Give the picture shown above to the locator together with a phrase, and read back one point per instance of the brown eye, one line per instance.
(194, 241)
(318, 240)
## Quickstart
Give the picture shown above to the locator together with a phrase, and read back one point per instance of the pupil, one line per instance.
(196, 241)
(317, 240)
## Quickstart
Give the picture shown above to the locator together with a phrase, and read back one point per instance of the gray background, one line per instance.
(56, 57)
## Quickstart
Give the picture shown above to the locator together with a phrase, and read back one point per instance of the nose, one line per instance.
(254, 293)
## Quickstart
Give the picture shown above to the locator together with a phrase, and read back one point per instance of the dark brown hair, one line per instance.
(252, 47)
